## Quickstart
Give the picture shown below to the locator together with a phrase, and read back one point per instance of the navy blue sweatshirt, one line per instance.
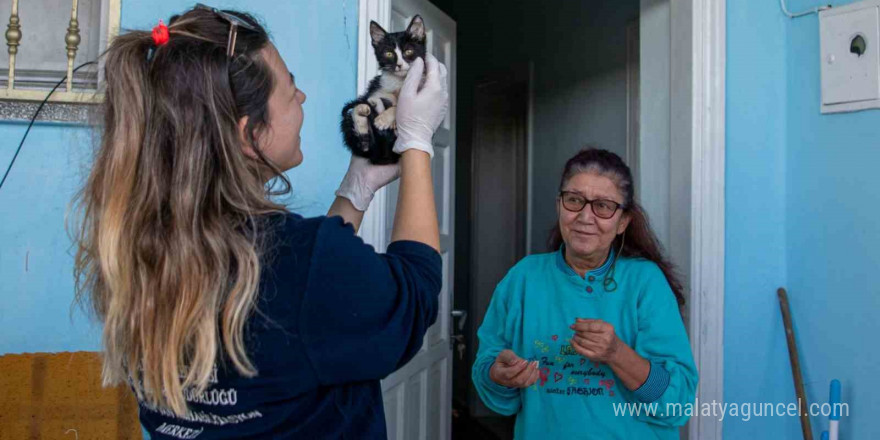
(333, 318)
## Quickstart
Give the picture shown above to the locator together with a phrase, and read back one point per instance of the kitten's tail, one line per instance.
(348, 107)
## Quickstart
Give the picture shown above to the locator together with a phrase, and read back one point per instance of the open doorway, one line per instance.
(615, 74)
(571, 61)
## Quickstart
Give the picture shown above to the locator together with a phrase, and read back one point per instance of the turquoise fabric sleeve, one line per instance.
(493, 339)
(663, 341)
(655, 385)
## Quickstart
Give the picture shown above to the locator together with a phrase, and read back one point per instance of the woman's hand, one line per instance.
(358, 186)
(595, 340)
(513, 371)
(420, 110)
(363, 179)
(419, 113)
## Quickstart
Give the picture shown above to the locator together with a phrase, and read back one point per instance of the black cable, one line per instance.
(34, 118)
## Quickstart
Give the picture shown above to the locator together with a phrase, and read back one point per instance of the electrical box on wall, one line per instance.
(850, 51)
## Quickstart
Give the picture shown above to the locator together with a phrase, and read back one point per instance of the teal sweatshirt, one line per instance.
(575, 398)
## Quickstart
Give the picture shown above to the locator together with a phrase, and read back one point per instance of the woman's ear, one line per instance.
(246, 146)
(624, 223)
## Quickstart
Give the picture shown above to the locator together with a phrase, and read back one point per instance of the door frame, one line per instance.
(698, 68)
(698, 71)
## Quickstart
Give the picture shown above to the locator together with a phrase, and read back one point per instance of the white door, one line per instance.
(418, 397)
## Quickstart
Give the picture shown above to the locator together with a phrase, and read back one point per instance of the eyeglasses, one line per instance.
(234, 23)
(602, 208)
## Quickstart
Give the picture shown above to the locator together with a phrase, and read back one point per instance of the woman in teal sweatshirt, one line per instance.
(588, 342)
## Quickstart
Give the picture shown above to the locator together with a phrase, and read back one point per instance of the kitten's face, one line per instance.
(395, 52)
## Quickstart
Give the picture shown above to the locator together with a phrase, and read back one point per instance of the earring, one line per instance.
(608, 281)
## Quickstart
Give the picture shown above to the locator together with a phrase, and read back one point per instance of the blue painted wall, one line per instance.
(833, 238)
(755, 357)
(802, 197)
(36, 281)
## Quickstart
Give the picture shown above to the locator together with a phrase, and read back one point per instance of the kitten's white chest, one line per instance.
(389, 88)
(391, 83)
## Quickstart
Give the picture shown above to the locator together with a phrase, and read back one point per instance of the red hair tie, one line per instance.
(160, 34)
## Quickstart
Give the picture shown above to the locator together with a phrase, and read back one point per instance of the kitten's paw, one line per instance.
(361, 123)
(386, 120)
(362, 110)
(377, 102)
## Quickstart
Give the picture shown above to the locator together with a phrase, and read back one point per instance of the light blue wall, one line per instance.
(802, 197)
(317, 39)
(755, 357)
(36, 286)
(833, 238)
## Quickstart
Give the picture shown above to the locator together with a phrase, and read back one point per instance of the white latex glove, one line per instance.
(363, 179)
(421, 110)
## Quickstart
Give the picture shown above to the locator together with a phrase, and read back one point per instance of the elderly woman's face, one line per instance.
(583, 232)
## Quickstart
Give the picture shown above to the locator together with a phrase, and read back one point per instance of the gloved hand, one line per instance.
(421, 110)
(363, 179)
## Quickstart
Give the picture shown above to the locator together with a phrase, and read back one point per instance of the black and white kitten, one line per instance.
(369, 122)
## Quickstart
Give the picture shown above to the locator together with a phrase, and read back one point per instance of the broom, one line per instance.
(795, 364)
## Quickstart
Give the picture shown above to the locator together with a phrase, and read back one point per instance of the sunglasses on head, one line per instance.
(234, 23)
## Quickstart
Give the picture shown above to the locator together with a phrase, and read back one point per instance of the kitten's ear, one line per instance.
(416, 29)
(377, 34)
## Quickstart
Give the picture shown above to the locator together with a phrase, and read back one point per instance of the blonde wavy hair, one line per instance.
(168, 249)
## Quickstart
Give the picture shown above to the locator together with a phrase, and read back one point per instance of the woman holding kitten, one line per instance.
(227, 315)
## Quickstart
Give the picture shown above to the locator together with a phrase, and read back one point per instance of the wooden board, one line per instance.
(59, 396)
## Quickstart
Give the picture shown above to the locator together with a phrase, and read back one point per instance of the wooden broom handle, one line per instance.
(795, 364)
